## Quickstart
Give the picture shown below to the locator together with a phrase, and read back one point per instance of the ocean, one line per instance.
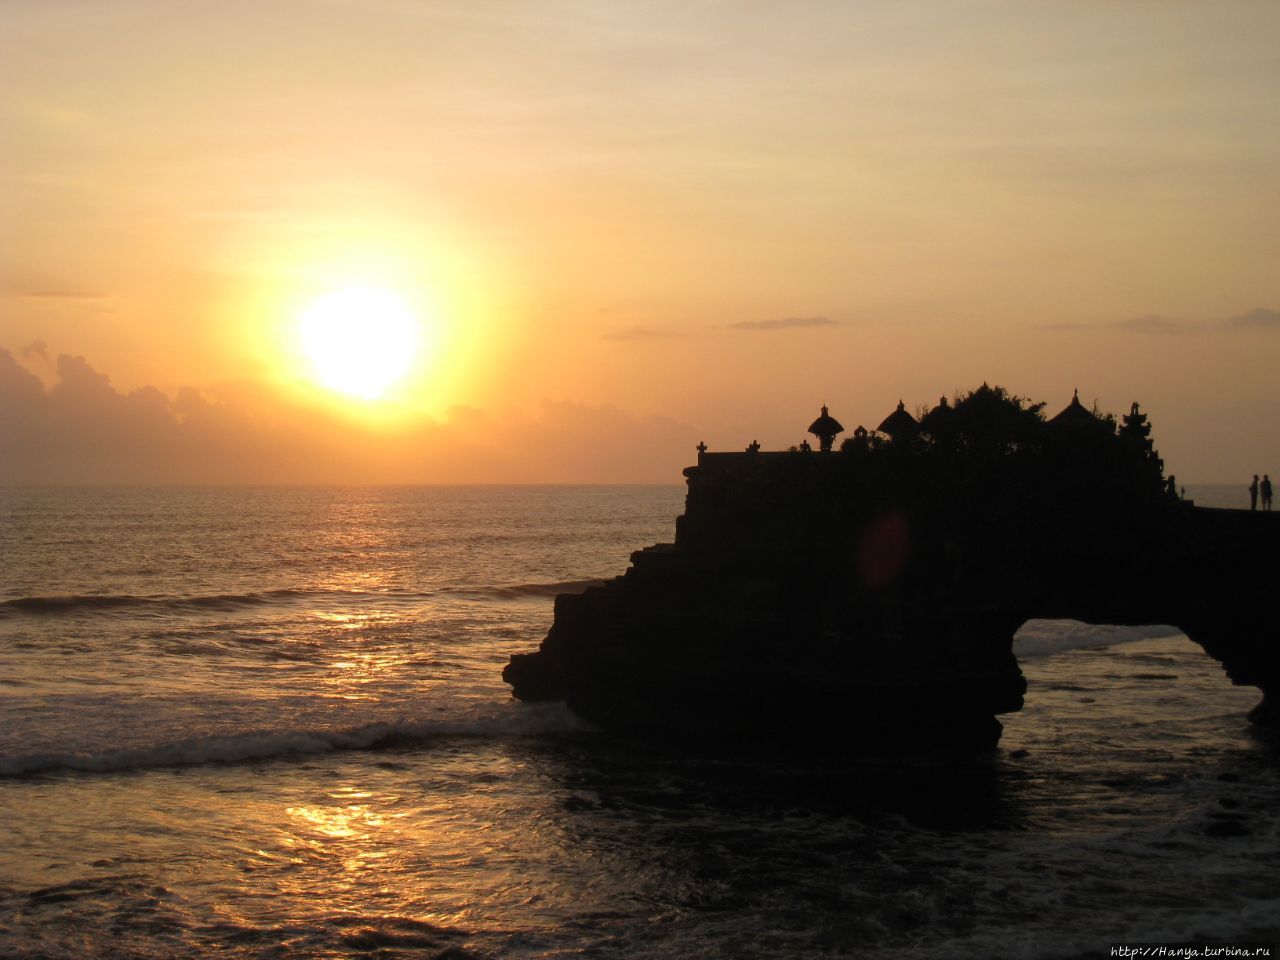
(256, 723)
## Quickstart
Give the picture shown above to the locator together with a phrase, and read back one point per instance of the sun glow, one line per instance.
(360, 340)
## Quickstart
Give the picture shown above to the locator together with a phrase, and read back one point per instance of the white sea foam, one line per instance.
(1041, 638)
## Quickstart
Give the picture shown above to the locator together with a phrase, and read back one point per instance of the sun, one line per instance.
(359, 340)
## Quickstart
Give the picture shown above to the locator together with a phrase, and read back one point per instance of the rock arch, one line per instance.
(874, 593)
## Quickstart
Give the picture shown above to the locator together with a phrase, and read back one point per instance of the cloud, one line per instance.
(639, 333)
(82, 429)
(58, 293)
(37, 350)
(1150, 323)
(1259, 318)
(784, 323)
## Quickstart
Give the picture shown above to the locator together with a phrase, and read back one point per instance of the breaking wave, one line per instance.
(525, 590)
(515, 721)
(76, 603)
(73, 604)
(1041, 638)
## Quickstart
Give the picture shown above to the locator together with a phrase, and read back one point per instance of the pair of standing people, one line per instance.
(1264, 488)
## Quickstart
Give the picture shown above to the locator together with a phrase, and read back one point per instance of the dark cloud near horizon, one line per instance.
(1259, 318)
(784, 323)
(83, 430)
(1150, 323)
(41, 292)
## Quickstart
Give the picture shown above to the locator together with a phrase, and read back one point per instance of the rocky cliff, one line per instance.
(873, 592)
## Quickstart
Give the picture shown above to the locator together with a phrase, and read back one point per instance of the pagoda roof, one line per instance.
(826, 425)
(940, 417)
(899, 422)
(1075, 414)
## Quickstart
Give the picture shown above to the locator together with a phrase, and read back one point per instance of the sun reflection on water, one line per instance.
(429, 858)
(342, 820)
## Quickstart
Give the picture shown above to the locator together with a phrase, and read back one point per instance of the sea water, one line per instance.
(271, 723)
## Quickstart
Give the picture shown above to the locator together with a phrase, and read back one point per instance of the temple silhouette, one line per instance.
(873, 591)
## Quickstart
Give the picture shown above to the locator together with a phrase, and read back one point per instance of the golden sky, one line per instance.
(626, 227)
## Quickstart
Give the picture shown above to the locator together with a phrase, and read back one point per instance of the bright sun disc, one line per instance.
(359, 340)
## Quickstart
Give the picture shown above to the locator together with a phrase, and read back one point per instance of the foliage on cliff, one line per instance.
(990, 441)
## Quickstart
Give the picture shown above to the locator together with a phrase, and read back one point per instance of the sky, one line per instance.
(624, 228)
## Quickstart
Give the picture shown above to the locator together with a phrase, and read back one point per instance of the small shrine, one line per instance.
(825, 428)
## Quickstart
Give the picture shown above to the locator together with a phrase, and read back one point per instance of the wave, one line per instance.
(99, 603)
(518, 720)
(1041, 638)
(76, 603)
(520, 591)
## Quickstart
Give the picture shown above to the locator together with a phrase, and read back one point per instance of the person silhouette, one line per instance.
(1253, 493)
(1266, 492)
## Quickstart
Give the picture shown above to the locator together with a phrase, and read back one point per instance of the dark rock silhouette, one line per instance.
(874, 594)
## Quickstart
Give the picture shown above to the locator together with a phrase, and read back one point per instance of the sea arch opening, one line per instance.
(1151, 666)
